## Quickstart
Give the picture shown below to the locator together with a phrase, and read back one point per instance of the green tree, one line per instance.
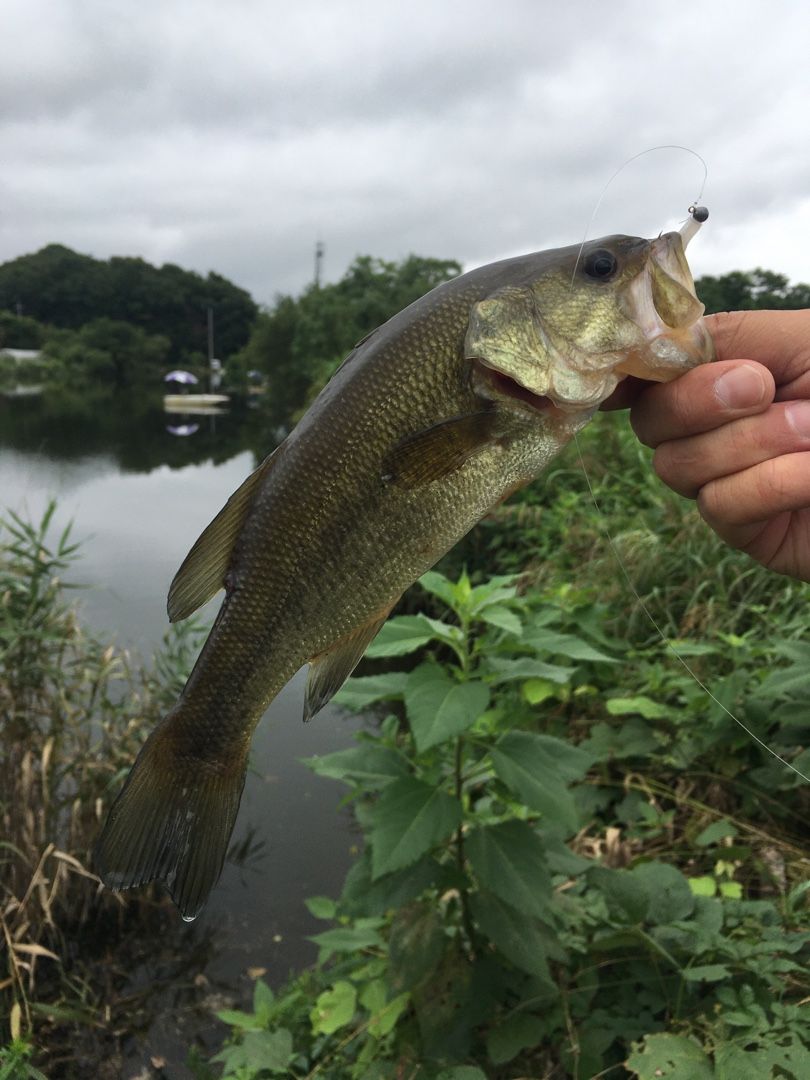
(744, 290)
(20, 332)
(298, 344)
(69, 290)
(107, 350)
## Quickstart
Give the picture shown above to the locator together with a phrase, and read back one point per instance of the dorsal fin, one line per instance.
(329, 670)
(203, 571)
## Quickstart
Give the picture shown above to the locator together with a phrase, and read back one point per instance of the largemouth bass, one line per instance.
(438, 415)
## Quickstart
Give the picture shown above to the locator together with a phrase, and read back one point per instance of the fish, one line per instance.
(434, 418)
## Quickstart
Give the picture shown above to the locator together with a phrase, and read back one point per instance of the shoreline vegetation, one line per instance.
(574, 863)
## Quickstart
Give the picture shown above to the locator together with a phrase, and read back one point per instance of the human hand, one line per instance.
(735, 435)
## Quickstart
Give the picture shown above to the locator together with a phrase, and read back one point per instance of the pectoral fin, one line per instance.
(439, 450)
(330, 670)
(203, 571)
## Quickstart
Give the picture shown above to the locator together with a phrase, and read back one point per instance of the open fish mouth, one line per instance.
(548, 347)
(500, 385)
(662, 302)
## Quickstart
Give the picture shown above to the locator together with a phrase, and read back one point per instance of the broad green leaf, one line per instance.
(243, 1020)
(509, 860)
(526, 768)
(322, 907)
(718, 830)
(362, 896)
(515, 1033)
(334, 1008)
(439, 708)
(503, 618)
(670, 1057)
(685, 647)
(561, 859)
(785, 1053)
(360, 692)
(556, 644)
(409, 818)
(447, 1007)
(374, 765)
(348, 938)
(706, 973)
(640, 705)
(373, 995)
(384, 1013)
(503, 669)
(671, 898)
(633, 738)
(731, 889)
(401, 635)
(442, 631)
(492, 593)
(440, 586)
(703, 885)
(516, 935)
(259, 1050)
(415, 945)
(535, 691)
(461, 1072)
(783, 683)
(263, 1000)
(628, 900)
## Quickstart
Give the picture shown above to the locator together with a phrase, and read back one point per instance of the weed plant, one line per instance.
(575, 863)
(73, 714)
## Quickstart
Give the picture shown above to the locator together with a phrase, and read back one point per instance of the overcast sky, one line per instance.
(231, 136)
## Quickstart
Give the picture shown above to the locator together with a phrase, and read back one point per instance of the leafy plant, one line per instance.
(510, 909)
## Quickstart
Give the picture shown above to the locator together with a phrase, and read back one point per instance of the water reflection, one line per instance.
(139, 496)
(130, 428)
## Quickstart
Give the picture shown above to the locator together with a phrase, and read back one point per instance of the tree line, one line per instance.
(122, 320)
(166, 307)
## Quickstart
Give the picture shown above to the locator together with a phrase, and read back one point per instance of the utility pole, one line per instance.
(210, 333)
(320, 248)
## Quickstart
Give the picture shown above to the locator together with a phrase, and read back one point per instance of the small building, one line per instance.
(22, 356)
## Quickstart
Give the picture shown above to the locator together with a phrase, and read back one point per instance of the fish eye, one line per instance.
(601, 264)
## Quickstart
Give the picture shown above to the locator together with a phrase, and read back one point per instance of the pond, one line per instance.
(139, 485)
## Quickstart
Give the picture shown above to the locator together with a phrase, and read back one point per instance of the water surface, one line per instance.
(138, 496)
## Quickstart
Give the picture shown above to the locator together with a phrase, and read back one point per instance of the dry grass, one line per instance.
(73, 714)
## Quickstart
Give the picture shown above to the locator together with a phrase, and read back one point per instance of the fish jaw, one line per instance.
(661, 300)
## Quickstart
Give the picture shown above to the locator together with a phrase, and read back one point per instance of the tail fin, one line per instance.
(172, 822)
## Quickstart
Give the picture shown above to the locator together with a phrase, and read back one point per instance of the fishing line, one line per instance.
(603, 526)
(621, 168)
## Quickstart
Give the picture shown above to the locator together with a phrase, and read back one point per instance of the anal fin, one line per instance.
(329, 670)
(203, 571)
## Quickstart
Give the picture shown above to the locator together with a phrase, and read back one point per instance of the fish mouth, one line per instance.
(491, 382)
(661, 301)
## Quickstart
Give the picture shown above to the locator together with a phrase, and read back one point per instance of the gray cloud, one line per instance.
(231, 137)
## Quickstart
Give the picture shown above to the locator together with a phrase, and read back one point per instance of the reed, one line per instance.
(73, 714)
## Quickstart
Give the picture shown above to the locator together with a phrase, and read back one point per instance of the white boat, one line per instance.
(181, 403)
(192, 402)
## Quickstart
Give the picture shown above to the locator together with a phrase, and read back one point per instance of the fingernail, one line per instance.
(798, 416)
(740, 388)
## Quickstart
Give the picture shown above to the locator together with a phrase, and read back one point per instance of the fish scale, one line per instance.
(432, 420)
